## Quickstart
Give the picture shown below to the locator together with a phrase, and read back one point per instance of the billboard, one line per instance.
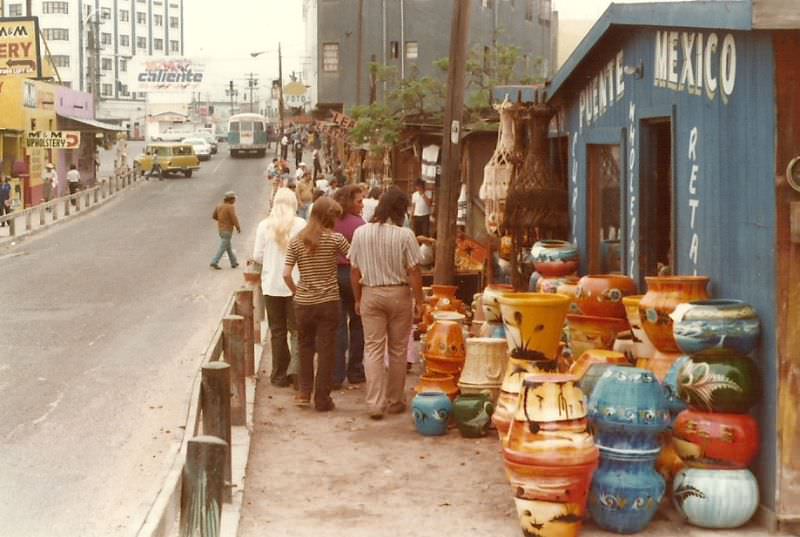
(165, 74)
(19, 47)
(53, 139)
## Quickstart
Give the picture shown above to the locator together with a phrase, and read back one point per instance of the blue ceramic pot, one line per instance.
(675, 404)
(718, 323)
(626, 491)
(712, 498)
(431, 411)
(589, 379)
(628, 409)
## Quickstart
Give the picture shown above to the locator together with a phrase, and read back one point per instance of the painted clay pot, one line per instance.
(493, 329)
(596, 356)
(570, 289)
(473, 414)
(643, 346)
(516, 371)
(660, 364)
(550, 483)
(625, 345)
(443, 298)
(485, 362)
(715, 498)
(489, 300)
(549, 519)
(626, 492)
(492, 392)
(533, 323)
(589, 379)
(587, 332)
(431, 411)
(600, 295)
(437, 382)
(719, 380)
(547, 284)
(664, 293)
(628, 409)
(447, 366)
(668, 463)
(554, 258)
(445, 337)
(715, 323)
(706, 440)
(675, 404)
(550, 397)
(559, 443)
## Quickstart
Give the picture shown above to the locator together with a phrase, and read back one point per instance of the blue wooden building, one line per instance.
(678, 122)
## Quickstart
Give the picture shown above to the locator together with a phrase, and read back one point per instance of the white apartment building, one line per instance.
(126, 28)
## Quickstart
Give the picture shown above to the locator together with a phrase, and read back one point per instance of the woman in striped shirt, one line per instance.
(316, 298)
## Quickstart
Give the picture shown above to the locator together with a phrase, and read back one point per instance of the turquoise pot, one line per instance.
(431, 411)
(628, 409)
(715, 498)
(718, 323)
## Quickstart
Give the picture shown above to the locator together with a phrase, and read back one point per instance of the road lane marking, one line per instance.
(52, 406)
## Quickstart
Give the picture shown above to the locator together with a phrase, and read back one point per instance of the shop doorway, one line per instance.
(656, 190)
(604, 210)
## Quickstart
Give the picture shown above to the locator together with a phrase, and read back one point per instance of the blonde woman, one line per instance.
(272, 240)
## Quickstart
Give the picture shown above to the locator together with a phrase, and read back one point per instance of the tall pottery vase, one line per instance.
(664, 293)
(516, 371)
(534, 323)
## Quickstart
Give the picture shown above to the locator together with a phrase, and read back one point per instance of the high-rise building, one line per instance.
(344, 36)
(91, 43)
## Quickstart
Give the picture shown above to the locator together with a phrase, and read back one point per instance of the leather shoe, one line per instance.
(396, 408)
(327, 406)
(215, 267)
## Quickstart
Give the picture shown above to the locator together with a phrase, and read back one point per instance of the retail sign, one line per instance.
(19, 47)
(53, 139)
(165, 74)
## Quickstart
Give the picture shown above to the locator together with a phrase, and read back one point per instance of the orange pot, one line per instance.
(601, 295)
(587, 332)
(440, 364)
(445, 337)
(664, 293)
(596, 356)
(437, 382)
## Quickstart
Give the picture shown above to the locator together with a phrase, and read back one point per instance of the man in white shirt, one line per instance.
(50, 182)
(73, 180)
(284, 147)
(421, 201)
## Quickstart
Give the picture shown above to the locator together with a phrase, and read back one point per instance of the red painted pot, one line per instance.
(600, 295)
(713, 440)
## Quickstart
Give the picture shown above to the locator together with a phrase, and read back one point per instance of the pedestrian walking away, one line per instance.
(298, 152)
(5, 198)
(73, 180)
(387, 284)
(284, 147)
(316, 163)
(316, 296)
(49, 183)
(421, 209)
(227, 221)
(350, 335)
(272, 240)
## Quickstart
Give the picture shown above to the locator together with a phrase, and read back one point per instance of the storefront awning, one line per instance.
(94, 124)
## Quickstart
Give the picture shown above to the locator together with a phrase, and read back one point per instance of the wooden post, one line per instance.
(215, 402)
(449, 189)
(203, 483)
(244, 307)
(233, 353)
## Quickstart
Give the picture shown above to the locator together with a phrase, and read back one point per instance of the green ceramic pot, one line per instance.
(719, 380)
(473, 414)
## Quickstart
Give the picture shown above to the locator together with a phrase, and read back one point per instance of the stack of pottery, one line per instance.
(442, 298)
(664, 293)
(484, 367)
(556, 263)
(628, 412)
(550, 456)
(591, 365)
(444, 349)
(533, 324)
(601, 316)
(642, 347)
(716, 437)
(493, 318)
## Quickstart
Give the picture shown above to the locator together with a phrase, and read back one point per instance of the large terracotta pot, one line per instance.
(664, 293)
(489, 300)
(439, 364)
(437, 382)
(587, 332)
(713, 440)
(550, 519)
(485, 361)
(719, 380)
(550, 397)
(660, 364)
(533, 323)
(601, 295)
(643, 346)
(516, 371)
(715, 498)
(442, 298)
(554, 258)
(445, 337)
(560, 443)
(568, 483)
(596, 356)
(723, 323)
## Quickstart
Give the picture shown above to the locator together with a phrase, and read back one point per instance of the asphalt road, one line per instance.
(103, 323)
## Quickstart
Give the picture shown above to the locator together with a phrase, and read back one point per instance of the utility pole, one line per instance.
(359, 51)
(93, 46)
(450, 186)
(280, 89)
(252, 84)
(232, 94)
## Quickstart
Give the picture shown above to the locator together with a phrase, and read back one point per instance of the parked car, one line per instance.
(208, 137)
(201, 147)
(164, 158)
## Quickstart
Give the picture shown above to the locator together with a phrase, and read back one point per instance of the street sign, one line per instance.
(149, 73)
(19, 47)
(53, 139)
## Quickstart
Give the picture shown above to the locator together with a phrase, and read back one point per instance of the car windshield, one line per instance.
(194, 141)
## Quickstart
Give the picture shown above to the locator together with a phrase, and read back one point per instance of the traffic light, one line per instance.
(230, 84)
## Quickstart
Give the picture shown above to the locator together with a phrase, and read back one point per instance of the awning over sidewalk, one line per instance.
(93, 124)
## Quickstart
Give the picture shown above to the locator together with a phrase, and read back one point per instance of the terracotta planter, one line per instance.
(712, 440)
(549, 483)
(587, 332)
(664, 293)
(554, 258)
(489, 301)
(533, 323)
(601, 295)
(550, 397)
(485, 361)
(442, 365)
(445, 337)
(549, 519)
(715, 323)
(719, 380)
(516, 371)
(643, 346)
(562, 443)
(437, 382)
(443, 298)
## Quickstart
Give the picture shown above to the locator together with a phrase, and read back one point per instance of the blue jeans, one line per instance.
(225, 246)
(350, 335)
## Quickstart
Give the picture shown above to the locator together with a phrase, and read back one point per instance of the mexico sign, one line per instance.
(165, 74)
(19, 47)
(53, 139)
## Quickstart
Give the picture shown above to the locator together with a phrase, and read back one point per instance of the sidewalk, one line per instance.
(340, 473)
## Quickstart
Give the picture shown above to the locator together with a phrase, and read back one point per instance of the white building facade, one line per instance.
(125, 28)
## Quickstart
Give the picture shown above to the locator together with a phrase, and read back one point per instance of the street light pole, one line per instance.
(280, 89)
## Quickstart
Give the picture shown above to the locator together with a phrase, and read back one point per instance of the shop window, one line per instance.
(604, 211)
(124, 15)
(49, 8)
(173, 22)
(158, 20)
(124, 40)
(15, 10)
(158, 44)
(106, 89)
(330, 57)
(657, 227)
(174, 46)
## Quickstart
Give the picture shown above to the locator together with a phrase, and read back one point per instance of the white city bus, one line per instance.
(247, 133)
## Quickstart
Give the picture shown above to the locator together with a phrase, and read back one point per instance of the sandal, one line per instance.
(301, 399)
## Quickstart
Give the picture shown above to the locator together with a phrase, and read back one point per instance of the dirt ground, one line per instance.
(340, 473)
